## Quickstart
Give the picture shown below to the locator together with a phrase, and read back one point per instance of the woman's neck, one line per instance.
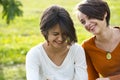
(106, 35)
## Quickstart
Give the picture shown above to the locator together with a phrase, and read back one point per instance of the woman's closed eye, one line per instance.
(55, 33)
(82, 22)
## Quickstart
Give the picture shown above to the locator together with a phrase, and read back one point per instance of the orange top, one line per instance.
(99, 64)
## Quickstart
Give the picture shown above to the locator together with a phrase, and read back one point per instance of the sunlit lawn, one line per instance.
(23, 33)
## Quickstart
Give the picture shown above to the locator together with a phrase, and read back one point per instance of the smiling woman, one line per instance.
(103, 49)
(59, 57)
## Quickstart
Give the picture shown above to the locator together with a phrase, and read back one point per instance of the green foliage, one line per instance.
(11, 9)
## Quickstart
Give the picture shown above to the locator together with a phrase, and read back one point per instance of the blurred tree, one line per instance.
(11, 9)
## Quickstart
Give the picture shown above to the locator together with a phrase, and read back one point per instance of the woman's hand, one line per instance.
(102, 79)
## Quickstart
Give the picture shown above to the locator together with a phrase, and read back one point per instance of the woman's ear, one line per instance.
(105, 15)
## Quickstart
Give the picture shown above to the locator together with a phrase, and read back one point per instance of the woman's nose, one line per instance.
(87, 24)
(60, 38)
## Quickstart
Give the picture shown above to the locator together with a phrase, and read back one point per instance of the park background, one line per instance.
(23, 33)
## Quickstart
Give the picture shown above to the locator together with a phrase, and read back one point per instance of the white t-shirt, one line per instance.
(40, 67)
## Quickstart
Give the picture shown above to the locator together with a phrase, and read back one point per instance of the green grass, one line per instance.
(23, 33)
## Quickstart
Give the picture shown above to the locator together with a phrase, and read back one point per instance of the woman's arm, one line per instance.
(32, 66)
(92, 73)
(80, 65)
